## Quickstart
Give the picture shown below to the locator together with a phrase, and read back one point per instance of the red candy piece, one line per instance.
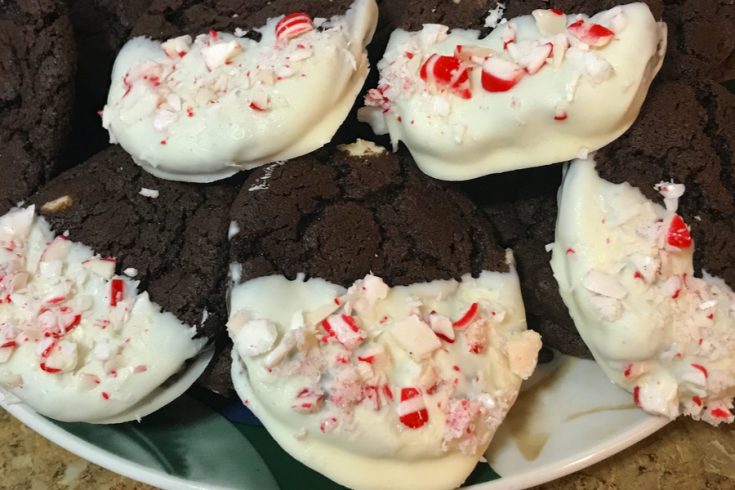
(344, 329)
(447, 72)
(117, 291)
(678, 234)
(467, 317)
(637, 395)
(412, 411)
(594, 35)
(701, 368)
(720, 413)
(499, 75)
(293, 26)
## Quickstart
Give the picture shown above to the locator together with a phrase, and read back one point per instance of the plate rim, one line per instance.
(584, 459)
(120, 465)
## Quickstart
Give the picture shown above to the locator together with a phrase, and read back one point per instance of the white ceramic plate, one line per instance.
(204, 442)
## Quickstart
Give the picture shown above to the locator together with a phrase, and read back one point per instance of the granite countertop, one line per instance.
(685, 454)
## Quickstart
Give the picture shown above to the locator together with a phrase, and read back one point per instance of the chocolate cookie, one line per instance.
(701, 39)
(522, 206)
(173, 235)
(338, 217)
(170, 18)
(101, 27)
(37, 59)
(471, 14)
(686, 134)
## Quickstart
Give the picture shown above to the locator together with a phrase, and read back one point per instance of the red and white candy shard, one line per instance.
(345, 329)
(677, 233)
(412, 410)
(536, 59)
(415, 337)
(308, 400)
(104, 268)
(447, 72)
(292, 26)
(594, 35)
(177, 47)
(500, 75)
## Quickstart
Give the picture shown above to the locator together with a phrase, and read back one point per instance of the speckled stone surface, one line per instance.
(684, 454)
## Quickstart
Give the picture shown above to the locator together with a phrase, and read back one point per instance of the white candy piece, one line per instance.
(604, 285)
(549, 22)
(255, 337)
(416, 338)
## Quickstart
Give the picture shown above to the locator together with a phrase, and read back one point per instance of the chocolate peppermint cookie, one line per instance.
(37, 59)
(173, 236)
(111, 283)
(234, 100)
(644, 258)
(371, 302)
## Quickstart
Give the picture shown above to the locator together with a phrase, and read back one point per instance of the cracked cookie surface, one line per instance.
(37, 60)
(338, 217)
(177, 241)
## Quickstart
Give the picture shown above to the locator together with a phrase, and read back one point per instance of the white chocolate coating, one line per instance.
(203, 110)
(67, 351)
(654, 328)
(390, 405)
(571, 98)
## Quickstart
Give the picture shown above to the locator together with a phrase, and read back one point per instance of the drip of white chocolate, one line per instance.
(421, 375)
(625, 270)
(537, 90)
(77, 342)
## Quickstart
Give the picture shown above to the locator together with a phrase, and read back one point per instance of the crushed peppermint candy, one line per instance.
(415, 356)
(67, 322)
